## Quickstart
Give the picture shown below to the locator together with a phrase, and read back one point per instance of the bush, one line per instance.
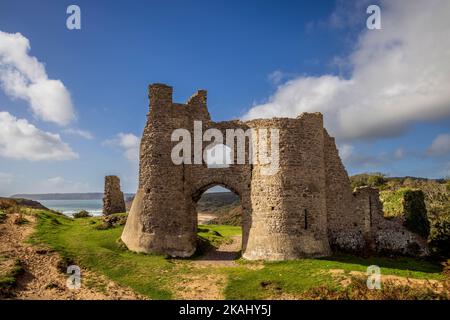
(8, 279)
(113, 220)
(393, 202)
(415, 211)
(19, 219)
(366, 179)
(14, 209)
(439, 240)
(81, 214)
(358, 290)
(2, 217)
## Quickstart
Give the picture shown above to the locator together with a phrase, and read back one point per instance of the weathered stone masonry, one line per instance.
(113, 201)
(307, 209)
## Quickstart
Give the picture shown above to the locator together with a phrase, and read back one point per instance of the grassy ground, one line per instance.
(157, 276)
(9, 271)
(216, 234)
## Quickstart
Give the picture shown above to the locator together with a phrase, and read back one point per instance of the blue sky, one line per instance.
(249, 55)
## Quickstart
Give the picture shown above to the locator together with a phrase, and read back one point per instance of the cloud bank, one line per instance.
(400, 75)
(440, 145)
(22, 76)
(19, 139)
(128, 143)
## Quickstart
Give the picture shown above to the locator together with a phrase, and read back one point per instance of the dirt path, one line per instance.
(209, 286)
(224, 256)
(42, 279)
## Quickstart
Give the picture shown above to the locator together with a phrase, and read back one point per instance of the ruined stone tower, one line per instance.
(306, 209)
(113, 201)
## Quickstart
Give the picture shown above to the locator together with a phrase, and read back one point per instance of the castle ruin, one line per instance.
(113, 200)
(306, 209)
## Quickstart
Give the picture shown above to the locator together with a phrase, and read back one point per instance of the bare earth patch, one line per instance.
(42, 279)
(224, 256)
(434, 285)
(210, 286)
(202, 287)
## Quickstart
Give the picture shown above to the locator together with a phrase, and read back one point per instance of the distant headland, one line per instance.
(65, 196)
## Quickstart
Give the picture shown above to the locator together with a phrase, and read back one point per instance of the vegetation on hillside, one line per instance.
(229, 215)
(211, 201)
(436, 193)
(6, 203)
(82, 214)
(159, 277)
(433, 220)
(10, 270)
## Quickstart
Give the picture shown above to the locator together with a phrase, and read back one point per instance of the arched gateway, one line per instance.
(305, 209)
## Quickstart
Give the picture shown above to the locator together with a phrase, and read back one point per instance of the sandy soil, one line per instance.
(434, 285)
(42, 279)
(224, 256)
(210, 286)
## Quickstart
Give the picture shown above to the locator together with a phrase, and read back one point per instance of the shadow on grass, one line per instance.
(401, 262)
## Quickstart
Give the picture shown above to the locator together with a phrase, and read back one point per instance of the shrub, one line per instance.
(358, 290)
(366, 179)
(2, 217)
(14, 209)
(19, 219)
(393, 202)
(410, 204)
(8, 279)
(113, 220)
(439, 240)
(81, 214)
(415, 211)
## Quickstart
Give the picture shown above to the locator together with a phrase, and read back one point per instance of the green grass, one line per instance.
(157, 277)
(100, 250)
(217, 234)
(8, 278)
(295, 277)
(2, 216)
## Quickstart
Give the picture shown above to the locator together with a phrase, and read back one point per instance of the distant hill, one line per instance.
(65, 196)
(6, 203)
(211, 201)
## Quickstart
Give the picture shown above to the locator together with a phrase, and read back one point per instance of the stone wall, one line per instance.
(306, 209)
(385, 236)
(345, 223)
(113, 200)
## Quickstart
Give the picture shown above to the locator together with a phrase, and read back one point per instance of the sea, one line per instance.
(69, 207)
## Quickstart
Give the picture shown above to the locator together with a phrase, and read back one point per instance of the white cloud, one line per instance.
(400, 76)
(127, 142)
(81, 133)
(346, 152)
(23, 76)
(19, 139)
(440, 145)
